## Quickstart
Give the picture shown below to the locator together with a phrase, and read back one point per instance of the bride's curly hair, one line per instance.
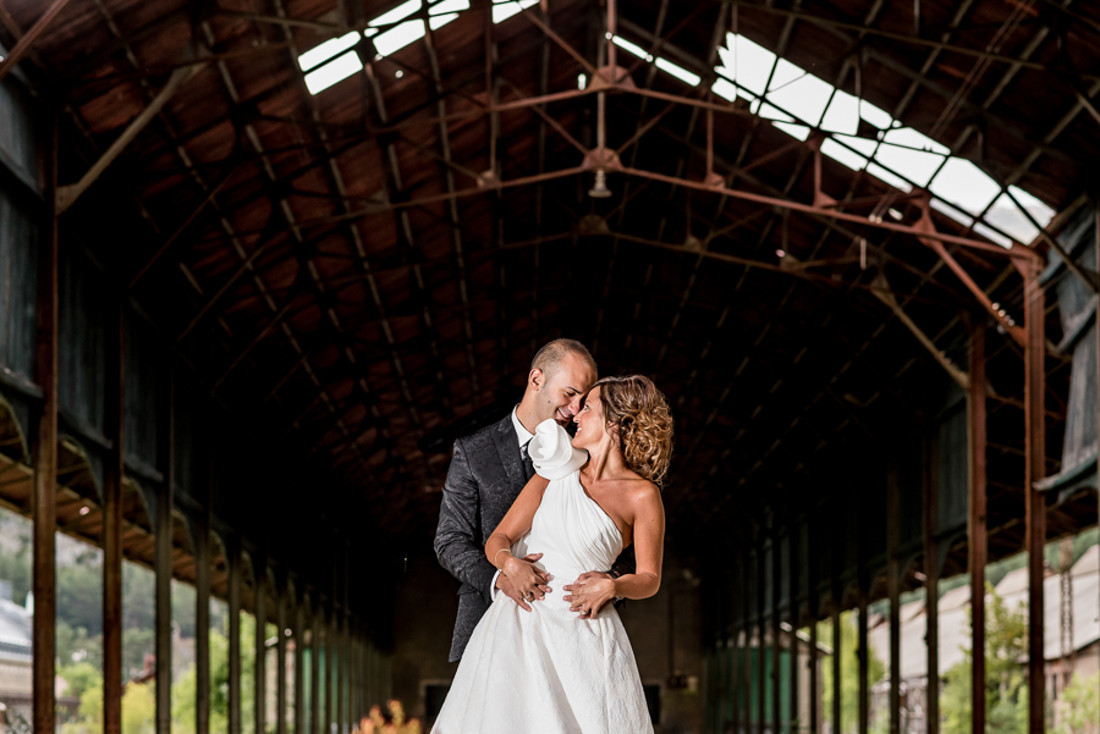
(638, 413)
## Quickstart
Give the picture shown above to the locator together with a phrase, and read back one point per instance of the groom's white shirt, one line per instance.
(523, 436)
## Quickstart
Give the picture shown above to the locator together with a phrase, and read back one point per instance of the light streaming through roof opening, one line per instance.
(390, 32)
(661, 63)
(796, 101)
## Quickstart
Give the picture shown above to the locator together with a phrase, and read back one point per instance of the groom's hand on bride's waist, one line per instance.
(537, 591)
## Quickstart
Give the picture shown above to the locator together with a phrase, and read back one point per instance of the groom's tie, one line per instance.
(528, 465)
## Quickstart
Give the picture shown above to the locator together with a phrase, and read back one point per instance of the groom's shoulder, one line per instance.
(486, 435)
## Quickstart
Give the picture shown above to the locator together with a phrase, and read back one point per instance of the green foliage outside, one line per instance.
(1079, 709)
(139, 701)
(1006, 708)
(849, 671)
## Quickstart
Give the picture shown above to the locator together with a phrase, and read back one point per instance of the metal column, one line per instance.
(235, 569)
(202, 622)
(280, 658)
(259, 700)
(931, 592)
(112, 526)
(44, 451)
(1035, 508)
(163, 561)
(976, 522)
(893, 585)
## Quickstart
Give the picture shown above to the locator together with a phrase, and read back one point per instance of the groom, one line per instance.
(487, 472)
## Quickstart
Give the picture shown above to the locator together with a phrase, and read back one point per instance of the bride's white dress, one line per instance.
(548, 671)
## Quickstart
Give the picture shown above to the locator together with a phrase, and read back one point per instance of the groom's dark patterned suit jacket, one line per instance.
(485, 477)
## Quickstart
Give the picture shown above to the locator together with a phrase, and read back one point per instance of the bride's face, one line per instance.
(591, 424)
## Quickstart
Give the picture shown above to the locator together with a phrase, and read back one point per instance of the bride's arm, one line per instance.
(589, 593)
(517, 521)
(649, 547)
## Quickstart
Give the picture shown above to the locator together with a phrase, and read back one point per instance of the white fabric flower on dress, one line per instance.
(552, 451)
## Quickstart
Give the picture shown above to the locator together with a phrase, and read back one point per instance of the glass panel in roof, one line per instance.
(950, 210)
(877, 116)
(399, 37)
(334, 71)
(843, 155)
(805, 97)
(843, 113)
(863, 146)
(992, 235)
(747, 63)
(1006, 216)
(905, 151)
(678, 71)
(964, 184)
(504, 10)
(725, 89)
(629, 47)
(449, 6)
(404, 10)
(330, 48)
(884, 174)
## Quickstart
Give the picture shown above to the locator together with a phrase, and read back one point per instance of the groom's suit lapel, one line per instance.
(508, 449)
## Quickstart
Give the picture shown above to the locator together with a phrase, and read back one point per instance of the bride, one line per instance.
(566, 666)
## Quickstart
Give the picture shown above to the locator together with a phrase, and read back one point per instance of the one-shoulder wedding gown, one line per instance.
(548, 671)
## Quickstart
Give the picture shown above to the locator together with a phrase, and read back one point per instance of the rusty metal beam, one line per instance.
(24, 44)
(909, 39)
(1035, 504)
(976, 519)
(44, 461)
(67, 195)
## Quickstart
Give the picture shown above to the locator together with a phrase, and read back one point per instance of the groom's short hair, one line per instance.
(552, 353)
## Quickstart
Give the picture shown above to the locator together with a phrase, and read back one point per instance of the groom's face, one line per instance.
(563, 389)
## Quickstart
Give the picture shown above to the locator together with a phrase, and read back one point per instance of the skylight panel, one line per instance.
(900, 152)
(843, 155)
(748, 63)
(863, 146)
(875, 115)
(805, 97)
(884, 174)
(504, 10)
(965, 185)
(954, 212)
(992, 235)
(404, 10)
(785, 73)
(843, 113)
(334, 71)
(781, 120)
(399, 37)
(629, 47)
(679, 72)
(449, 6)
(327, 50)
(1006, 216)
(725, 89)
